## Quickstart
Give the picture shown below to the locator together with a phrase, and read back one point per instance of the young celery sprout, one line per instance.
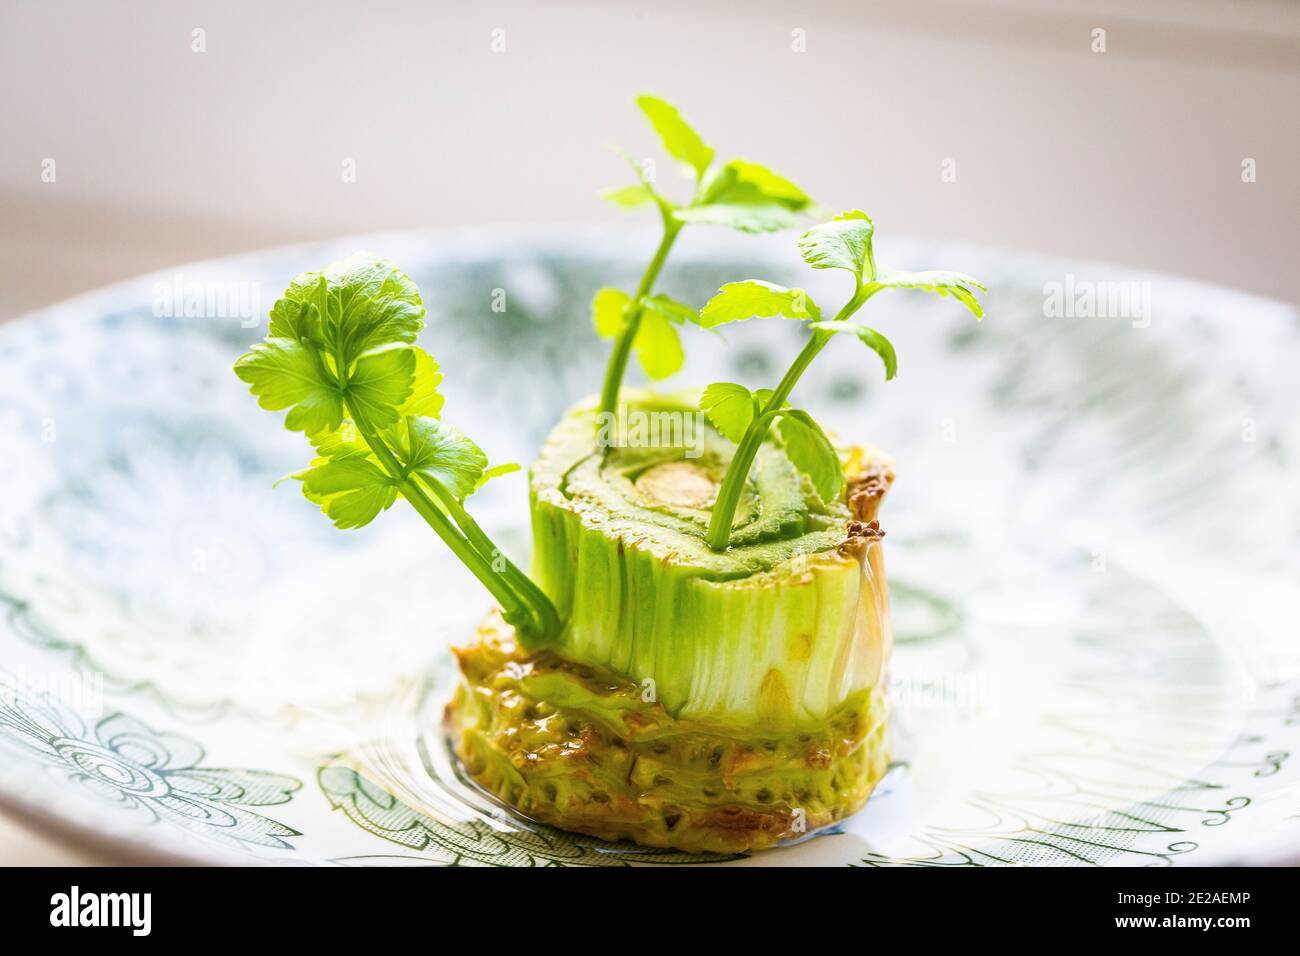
(745, 417)
(743, 195)
(340, 355)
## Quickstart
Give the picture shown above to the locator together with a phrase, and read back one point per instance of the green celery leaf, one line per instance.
(658, 347)
(372, 322)
(350, 307)
(870, 337)
(681, 142)
(743, 217)
(284, 373)
(425, 398)
(342, 442)
(346, 321)
(293, 318)
(442, 452)
(496, 471)
(748, 197)
(380, 383)
(960, 286)
(672, 310)
(351, 491)
(754, 298)
(627, 196)
(608, 310)
(769, 184)
(809, 450)
(842, 243)
(743, 182)
(729, 407)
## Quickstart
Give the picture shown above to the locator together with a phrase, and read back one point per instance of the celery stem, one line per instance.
(544, 613)
(531, 617)
(733, 481)
(623, 345)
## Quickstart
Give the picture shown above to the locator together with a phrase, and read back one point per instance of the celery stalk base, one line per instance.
(575, 746)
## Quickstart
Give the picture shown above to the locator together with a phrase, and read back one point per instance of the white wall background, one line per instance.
(163, 154)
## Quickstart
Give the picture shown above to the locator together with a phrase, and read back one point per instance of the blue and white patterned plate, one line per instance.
(1094, 550)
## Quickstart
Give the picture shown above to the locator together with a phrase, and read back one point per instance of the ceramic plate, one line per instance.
(1093, 542)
